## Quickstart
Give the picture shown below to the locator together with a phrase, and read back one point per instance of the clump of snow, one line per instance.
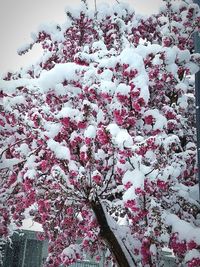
(194, 192)
(159, 120)
(61, 152)
(170, 140)
(139, 139)
(192, 254)
(10, 87)
(24, 48)
(100, 154)
(29, 225)
(99, 45)
(194, 68)
(170, 55)
(12, 101)
(107, 87)
(71, 251)
(113, 128)
(184, 55)
(9, 163)
(106, 75)
(66, 71)
(52, 129)
(173, 68)
(150, 155)
(123, 89)
(135, 177)
(67, 112)
(185, 230)
(123, 139)
(90, 132)
(129, 194)
(23, 149)
(75, 12)
(108, 62)
(61, 90)
(134, 60)
(30, 174)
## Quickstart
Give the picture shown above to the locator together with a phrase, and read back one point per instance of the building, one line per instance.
(27, 251)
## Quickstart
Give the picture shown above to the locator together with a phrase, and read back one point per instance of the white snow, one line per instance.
(173, 68)
(107, 87)
(12, 101)
(194, 68)
(9, 163)
(61, 90)
(123, 139)
(100, 155)
(136, 177)
(67, 112)
(24, 149)
(185, 230)
(192, 254)
(90, 132)
(99, 45)
(71, 251)
(170, 55)
(134, 60)
(129, 194)
(183, 55)
(9, 87)
(106, 75)
(66, 71)
(30, 225)
(113, 128)
(160, 121)
(52, 129)
(123, 89)
(61, 152)
(30, 173)
(194, 192)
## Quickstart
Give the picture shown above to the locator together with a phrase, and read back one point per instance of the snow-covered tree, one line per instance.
(98, 139)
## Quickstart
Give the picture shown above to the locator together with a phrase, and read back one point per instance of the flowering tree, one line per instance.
(98, 137)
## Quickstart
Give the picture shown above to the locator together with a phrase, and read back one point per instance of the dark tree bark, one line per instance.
(109, 237)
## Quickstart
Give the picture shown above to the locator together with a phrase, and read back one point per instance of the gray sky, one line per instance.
(18, 18)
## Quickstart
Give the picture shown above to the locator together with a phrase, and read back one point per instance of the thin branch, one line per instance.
(130, 163)
(129, 252)
(149, 172)
(109, 180)
(18, 142)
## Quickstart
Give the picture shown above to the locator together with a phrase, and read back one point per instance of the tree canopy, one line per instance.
(98, 139)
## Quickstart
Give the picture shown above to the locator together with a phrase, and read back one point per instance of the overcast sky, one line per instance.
(18, 18)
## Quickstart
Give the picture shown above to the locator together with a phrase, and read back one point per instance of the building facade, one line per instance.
(27, 251)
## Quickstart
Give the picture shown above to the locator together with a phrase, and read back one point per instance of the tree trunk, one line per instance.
(109, 237)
